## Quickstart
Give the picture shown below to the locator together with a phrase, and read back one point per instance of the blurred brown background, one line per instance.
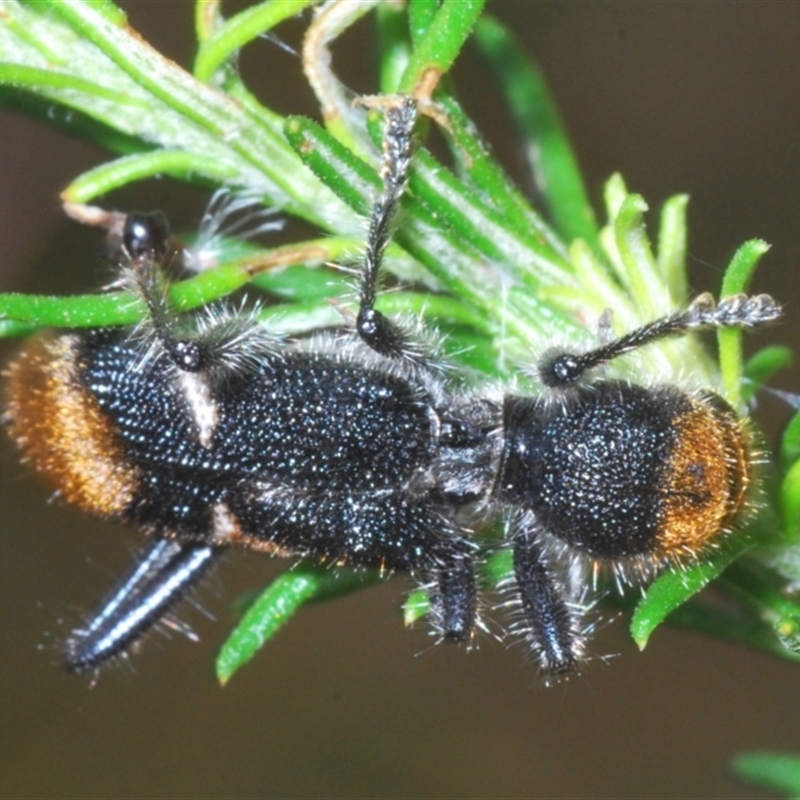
(701, 98)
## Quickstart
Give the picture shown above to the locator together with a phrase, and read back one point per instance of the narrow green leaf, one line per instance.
(278, 603)
(740, 271)
(434, 307)
(461, 345)
(549, 152)
(762, 366)
(16, 23)
(70, 120)
(11, 329)
(778, 771)
(639, 273)
(207, 18)
(479, 168)
(148, 68)
(485, 229)
(675, 587)
(37, 79)
(437, 47)
(118, 308)
(736, 281)
(289, 319)
(351, 178)
(790, 503)
(614, 193)
(421, 14)
(300, 282)
(77, 311)
(672, 247)
(189, 167)
(112, 12)
(240, 29)
(790, 442)
(271, 611)
(599, 290)
(416, 606)
(528, 256)
(394, 45)
(498, 566)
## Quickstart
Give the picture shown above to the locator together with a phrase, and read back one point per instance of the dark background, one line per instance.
(701, 98)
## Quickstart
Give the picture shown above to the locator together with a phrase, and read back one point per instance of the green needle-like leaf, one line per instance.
(674, 588)
(778, 771)
(394, 44)
(549, 151)
(436, 48)
(672, 247)
(762, 366)
(276, 605)
(478, 167)
(240, 29)
(790, 503)
(639, 272)
(117, 308)
(421, 13)
(189, 167)
(736, 280)
(790, 443)
(483, 227)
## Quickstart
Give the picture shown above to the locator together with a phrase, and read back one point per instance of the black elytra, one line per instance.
(208, 433)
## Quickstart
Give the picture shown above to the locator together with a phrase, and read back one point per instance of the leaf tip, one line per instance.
(640, 631)
(415, 607)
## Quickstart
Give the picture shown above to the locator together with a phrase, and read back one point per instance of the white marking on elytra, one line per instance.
(204, 410)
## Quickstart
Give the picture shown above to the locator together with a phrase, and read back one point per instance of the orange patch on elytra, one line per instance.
(62, 431)
(706, 479)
